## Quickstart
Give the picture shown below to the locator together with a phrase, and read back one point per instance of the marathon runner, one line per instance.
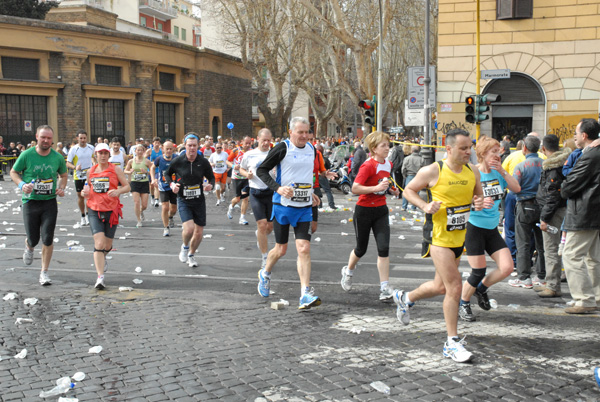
(454, 185)
(261, 196)
(166, 195)
(218, 161)
(79, 159)
(117, 154)
(292, 205)
(482, 230)
(35, 173)
(102, 192)
(138, 168)
(152, 154)
(240, 183)
(190, 169)
(371, 212)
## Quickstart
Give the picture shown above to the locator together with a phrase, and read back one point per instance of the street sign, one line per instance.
(413, 117)
(416, 87)
(495, 74)
(396, 130)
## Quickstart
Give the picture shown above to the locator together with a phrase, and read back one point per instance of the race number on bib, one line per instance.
(43, 187)
(492, 189)
(82, 174)
(302, 192)
(220, 165)
(192, 192)
(100, 184)
(457, 217)
(140, 176)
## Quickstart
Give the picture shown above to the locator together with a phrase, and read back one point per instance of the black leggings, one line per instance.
(39, 218)
(376, 218)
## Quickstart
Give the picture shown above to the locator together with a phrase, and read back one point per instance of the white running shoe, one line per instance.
(191, 260)
(87, 220)
(45, 279)
(166, 232)
(27, 256)
(455, 350)
(243, 221)
(100, 284)
(139, 224)
(218, 202)
(183, 254)
(230, 212)
(346, 279)
(82, 221)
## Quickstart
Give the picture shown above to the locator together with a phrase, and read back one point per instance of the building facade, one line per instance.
(552, 49)
(89, 75)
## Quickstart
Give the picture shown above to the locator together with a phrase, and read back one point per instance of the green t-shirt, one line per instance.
(42, 170)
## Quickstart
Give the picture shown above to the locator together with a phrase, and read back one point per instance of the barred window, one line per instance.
(167, 81)
(20, 69)
(514, 9)
(108, 75)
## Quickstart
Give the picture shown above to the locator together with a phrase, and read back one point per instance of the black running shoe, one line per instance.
(465, 313)
(483, 300)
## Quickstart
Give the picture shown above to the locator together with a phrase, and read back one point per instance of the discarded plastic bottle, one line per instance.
(63, 385)
(381, 387)
(549, 228)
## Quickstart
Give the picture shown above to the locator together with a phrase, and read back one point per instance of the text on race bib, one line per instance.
(140, 176)
(302, 192)
(192, 191)
(100, 184)
(82, 174)
(457, 217)
(43, 187)
(492, 189)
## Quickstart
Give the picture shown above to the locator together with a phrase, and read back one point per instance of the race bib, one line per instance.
(192, 192)
(219, 165)
(82, 174)
(492, 189)
(43, 187)
(100, 184)
(302, 192)
(140, 176)
(457, 217)
(382, 192)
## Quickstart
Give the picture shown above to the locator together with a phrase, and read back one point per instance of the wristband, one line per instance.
(21, 184)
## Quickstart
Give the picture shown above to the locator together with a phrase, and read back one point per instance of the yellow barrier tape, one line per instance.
(419, 145)
(394, 181)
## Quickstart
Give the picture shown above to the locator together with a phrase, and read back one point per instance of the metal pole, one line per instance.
(426, 126)
(478, 69)
(380, 73)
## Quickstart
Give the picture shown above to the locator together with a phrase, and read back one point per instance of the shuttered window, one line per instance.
(108, 75)
(18, 68)
(519, 89)
(514, 9)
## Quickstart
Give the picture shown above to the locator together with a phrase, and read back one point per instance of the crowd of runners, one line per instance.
(280, 181)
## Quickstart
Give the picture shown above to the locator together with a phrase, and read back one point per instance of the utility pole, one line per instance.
(477, 68)
(427, 153)
(379, 113)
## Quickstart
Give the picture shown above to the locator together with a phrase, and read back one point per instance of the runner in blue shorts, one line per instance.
(293, 199)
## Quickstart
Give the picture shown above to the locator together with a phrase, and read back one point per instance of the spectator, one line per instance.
(581, 256)
(396, 157)
(553, 209)
(505, 149)
(410, 167)
(360, 156)
(527, 215)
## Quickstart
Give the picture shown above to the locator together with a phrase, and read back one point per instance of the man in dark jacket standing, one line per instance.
(360, 156)
(553, 209)
(581, 256)
(396, 157)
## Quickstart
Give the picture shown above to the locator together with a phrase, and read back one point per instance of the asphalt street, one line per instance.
(205, 334)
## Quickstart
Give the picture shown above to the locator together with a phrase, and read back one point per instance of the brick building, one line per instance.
(112, 83)
(551, 49)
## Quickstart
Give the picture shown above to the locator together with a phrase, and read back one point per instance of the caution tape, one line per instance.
(394, 181)
(419, 145)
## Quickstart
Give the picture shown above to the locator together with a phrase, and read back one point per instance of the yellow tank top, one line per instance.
(455, 191)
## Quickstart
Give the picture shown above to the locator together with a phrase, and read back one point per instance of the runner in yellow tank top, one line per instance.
(454, 186)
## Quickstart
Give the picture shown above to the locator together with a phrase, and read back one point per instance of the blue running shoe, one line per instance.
(309, 300)
(597, 375)
(264, 284)
(402, 311)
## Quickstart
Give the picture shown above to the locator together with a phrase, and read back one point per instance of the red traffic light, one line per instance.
(470, 100)
(365, 104)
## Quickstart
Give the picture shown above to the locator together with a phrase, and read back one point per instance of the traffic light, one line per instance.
(477, 107)
(470, 103)
(369, 113)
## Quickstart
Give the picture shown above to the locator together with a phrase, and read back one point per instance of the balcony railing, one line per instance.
(156, 8)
